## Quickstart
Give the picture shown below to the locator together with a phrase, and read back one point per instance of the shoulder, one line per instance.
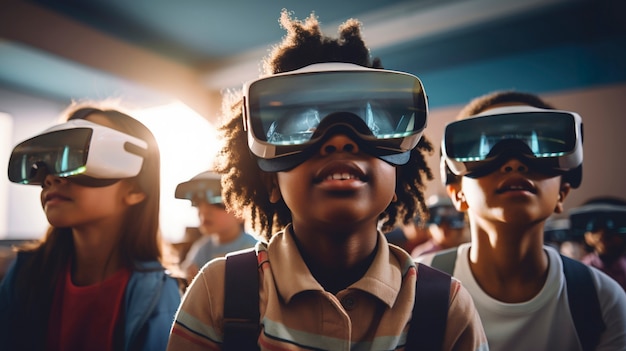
(445, 260)
(612, 299)
(249, 238)
(152, 276)
(608, 290)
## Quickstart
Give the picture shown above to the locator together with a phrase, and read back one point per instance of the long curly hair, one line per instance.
(245, 189)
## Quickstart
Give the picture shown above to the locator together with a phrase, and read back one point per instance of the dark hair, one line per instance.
(245, 187)
(606, 200)
(501, 97)
(36, 281)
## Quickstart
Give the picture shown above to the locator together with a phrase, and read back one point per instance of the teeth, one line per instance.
(340, 176)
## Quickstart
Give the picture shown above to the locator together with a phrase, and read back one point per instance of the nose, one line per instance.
(52, 179)
(339, 143)
(514, 165)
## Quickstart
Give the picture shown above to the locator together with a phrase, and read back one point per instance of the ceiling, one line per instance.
(153, 51)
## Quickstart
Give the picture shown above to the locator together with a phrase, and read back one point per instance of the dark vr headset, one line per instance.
(446, 214)
(441, 210)
(204, 187)
(286, 115)
(546, 140)
(593, 217)
(90, 153)
(557, 230)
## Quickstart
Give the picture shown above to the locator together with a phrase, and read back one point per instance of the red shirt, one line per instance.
(87, 317)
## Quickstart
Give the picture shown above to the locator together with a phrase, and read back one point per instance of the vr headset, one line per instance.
(442, 210)
(557, 230)
(90, 153)
(286, 115)
(446, 214)
(549, 141)
(593, 217)
(205, 187)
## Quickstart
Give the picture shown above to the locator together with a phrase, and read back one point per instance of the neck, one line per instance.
(509, 263)
(337, 260)
(96, 257)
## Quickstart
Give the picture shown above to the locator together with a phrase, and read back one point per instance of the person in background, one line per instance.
(95, 280)
(557, 233)
(408, 235)
(221, 231)
(446, 226)
(512, 160)
(322, 161)
(602, 222)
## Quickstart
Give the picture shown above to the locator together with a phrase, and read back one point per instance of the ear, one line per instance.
(563, 192)
(271, 184)
(456, 195)
(134, 197)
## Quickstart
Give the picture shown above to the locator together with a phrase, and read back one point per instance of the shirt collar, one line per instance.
(383, 279)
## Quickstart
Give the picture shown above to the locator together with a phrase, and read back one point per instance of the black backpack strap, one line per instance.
(430, 310)
(444, 260)
(584, 304)
(241, 301)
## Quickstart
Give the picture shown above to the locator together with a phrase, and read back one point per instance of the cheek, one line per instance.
(473, 191)
(388, 176)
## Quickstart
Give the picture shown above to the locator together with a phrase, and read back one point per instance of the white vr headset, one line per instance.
(79, 149)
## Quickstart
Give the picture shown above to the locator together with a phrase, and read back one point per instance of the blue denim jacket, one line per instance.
(150, 303)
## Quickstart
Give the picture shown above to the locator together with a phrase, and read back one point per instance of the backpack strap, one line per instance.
(241, 301)
(444, 260)
(430, 310)
(584, 304)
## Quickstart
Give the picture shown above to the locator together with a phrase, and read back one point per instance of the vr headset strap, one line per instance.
(584, 305)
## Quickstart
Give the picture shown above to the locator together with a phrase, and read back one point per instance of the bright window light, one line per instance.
(188, 143)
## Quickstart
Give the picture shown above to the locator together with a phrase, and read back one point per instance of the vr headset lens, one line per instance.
(285, 111)
(91, 154)
(551, 137)
(446, 214)
(612, 220)
(61, 153)
(200, 190)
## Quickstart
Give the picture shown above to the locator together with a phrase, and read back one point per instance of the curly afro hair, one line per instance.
(245, 185)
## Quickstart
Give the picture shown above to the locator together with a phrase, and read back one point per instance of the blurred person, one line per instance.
(557, 233)
(510, 161)
(446, 226)
(221, 231)
(602, 222)
(408, 235)
(322, 188)
(95, 280)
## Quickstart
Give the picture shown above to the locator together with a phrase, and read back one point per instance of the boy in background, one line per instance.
(511, 160)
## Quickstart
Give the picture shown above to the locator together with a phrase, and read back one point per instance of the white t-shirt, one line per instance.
(544, 322)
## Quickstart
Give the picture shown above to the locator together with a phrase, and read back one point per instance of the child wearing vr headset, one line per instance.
(96, 278)
(221, 231)
(601, 222)
(329, 150)
(509, 162)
